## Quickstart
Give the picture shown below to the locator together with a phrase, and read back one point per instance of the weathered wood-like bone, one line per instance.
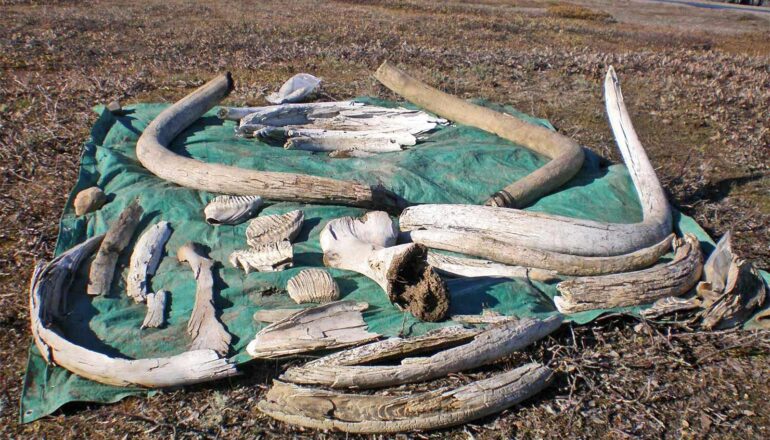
(566, 155)
(376, 414)
(633, 288)
(204, 327)
(451, 265)
(487, 347)
(145, 259)
(152, 151)
(361, 245)
(117, 238)
(156, 309)
(554, 233)
(52, 281)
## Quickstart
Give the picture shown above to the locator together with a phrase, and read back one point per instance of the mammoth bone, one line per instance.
(366, 246)
(49, 288)
(558, 242)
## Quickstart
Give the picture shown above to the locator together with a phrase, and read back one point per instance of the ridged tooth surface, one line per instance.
(313, 286)
(270, 257)
(274, 228)
(232, 210)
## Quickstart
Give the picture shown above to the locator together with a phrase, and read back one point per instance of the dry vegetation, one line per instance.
(697, 84)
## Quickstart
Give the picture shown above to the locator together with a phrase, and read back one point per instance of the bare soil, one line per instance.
(697, 83)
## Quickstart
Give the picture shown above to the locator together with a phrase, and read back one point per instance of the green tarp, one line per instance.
(455, 164)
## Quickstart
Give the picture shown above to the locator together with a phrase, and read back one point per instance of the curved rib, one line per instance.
(50, 284)
(152, 151)
(566, 155)
(563, 234)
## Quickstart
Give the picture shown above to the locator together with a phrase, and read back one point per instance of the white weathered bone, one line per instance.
(402, 271)
(206, 330)
(274, 228)
(559, 234)
(295, 89)
(156, 309)
(379, 414)
(313, 286)
(366, 142)
(468, 267)
(634, 288)
(89, 200)
(52, 281)
(325, 327)
(145, 259)
(232, 210)
(487, 316)
(285, 114)
(270, 257)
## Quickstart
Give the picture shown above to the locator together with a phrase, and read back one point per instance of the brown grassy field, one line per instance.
(697, 83)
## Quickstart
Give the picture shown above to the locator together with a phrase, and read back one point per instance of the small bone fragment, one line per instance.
(271, 257)
(156, 310)
(204, 327)
(469, 267)
(669, 305)
(116, 239)
(633, 288)
(274, 228)
(744, 293)
(51, 284)
(231, 210)
(333, 142)
(89, 200)
(313, 286)
(295, 89)
(145, 259)
(325, 327)
(378, 414)
(717, 265)
(402, 271)
(488, 346)
(286, 114)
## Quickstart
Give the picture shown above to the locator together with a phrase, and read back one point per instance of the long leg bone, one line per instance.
(145, 259)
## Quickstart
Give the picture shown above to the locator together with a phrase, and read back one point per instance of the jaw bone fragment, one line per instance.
(313, 286)
(274, 228)
(231, 210)
(469, 267)
(295, 89)
(152, 151)
(370, 414)
(325, 327)
(633, 288)
(486, 347)
(566, 155)
(89, 200)
(156, 309)
(145, 259)
(558, 234)
(52, 281)
(270, 257)
(361, 245)
(204, 327)
(117, 238)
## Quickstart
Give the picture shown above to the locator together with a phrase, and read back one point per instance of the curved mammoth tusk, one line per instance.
(634, 288)
(453, 266)
(52, 281)
(556, 233)
(153, 152)
(366, 246)
(566, 155)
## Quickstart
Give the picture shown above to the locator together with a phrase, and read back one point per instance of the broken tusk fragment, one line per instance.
(231, 210)
(206, 330)
(116, 239)
(365, 246)
(89, 200)
(468, 267)
(145, 259)
(313, 286)
(270, 257)
(156, 309)
(274, 228)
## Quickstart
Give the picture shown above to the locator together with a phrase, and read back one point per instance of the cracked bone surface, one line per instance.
(50, 286)
(551, 233)
(374, 413)
(366, 246)
(566, 155)
(634, 288)
(345, 370)
(206, 330)
(231, 210)
(145, 258)
(153, 152)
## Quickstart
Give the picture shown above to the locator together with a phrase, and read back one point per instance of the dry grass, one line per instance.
(576, 12)
(697, 92)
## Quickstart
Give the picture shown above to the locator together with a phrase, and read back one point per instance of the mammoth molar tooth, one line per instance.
(313, 286)
(271, 257)
(231, 210)
(274, 228)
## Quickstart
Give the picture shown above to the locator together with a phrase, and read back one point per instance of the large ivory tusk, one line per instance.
(566, 155)
(369, 414)
(634, 288)
(52, 281)
(366, 246)
(556, 233)
(152, 151)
